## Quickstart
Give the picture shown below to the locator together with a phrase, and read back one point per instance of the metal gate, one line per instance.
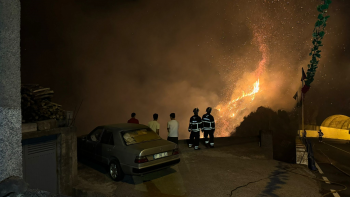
(39, 163)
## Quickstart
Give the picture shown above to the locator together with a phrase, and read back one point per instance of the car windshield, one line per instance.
(143, 135)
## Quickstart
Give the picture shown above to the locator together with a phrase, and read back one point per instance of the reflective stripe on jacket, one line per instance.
(208, 122)
(195, 123)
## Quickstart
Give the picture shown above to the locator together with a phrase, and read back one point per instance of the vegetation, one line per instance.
(266, 119)
(317, 35)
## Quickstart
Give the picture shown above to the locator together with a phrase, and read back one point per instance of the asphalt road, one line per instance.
(333, 158)
(235, 167)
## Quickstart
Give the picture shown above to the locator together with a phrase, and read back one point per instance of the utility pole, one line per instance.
(302, 105)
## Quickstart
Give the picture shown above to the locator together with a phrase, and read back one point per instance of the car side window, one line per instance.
(95, 135)
(107, 138)
(111, 140)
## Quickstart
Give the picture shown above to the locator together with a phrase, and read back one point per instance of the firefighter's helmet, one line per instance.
(196, 110)
(208, 110)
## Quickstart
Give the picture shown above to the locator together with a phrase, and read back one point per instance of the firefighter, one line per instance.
(320, 134)
(195, 127)
(208, 128)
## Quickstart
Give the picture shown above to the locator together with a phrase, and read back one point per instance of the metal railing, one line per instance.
(311, 160)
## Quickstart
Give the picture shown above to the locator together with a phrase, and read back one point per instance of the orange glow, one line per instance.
(227, 112)
(231, 112)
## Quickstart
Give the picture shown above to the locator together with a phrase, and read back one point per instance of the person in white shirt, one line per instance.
(173, 129)
(154, 125)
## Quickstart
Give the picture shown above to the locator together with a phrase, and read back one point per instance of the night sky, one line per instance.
(172, 56)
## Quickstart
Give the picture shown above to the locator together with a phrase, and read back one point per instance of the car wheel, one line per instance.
(115, 171)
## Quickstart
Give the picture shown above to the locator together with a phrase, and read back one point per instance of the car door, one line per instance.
(105, 146)
(92, 141)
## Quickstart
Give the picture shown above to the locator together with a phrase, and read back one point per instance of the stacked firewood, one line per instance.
(37, 105)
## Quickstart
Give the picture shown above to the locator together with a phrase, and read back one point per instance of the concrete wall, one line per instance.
(10, 84)
(309, 133)
(69, 163)
(267, 144)
(328, 132)
(67, 155)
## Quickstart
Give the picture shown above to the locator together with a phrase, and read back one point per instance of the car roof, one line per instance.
(125, 127)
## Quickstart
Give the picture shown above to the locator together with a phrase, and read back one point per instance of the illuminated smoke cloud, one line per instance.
(172, 56)
(242, 100)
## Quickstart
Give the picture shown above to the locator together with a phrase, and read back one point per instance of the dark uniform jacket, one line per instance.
(195, 123)
(208, 122)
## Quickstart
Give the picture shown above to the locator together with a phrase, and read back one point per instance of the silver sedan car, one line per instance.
(128, 149)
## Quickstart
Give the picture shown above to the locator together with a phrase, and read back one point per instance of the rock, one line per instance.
(46, 124)
(13, 186)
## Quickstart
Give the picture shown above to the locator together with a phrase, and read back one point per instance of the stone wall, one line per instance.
(10, 84)
(11, 171)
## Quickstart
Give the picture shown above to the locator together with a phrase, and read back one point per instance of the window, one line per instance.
(111, 140)
(138, 136)
(107, 138)
(95, 135)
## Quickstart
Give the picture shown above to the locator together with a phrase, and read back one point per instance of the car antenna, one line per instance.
(76, 113)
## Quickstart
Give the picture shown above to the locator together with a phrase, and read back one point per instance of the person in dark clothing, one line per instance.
(208, 127)
(304, 136)
(260, 137)
(133, 119)
(320, 135)
(195, 127)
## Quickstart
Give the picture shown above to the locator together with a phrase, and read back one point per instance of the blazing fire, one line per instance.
(232, 104)
(231, 113)
(227, 111)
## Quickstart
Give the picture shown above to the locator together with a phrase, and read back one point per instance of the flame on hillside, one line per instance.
(232, 113)
(227, 112)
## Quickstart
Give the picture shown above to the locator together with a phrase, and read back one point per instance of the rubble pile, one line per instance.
(36, 104)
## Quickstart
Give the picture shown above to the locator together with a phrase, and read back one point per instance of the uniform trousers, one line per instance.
(194, 138)
(211, 135)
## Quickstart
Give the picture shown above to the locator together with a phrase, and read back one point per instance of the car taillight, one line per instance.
(175, 151)
(141, 159)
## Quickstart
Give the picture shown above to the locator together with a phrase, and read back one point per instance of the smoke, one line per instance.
(168, 57)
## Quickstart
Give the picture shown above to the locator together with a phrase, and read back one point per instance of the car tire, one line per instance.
(115, 171)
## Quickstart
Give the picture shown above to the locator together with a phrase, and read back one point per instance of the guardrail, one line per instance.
(311, 160)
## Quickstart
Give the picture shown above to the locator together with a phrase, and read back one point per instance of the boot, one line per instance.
(196, 148)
